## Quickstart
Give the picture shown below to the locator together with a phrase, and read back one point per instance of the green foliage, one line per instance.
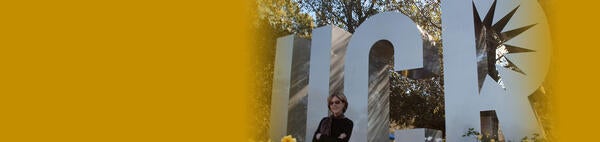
(417, 103)
(485, 138)
(535, 138)
(285, 17)
(349, 14)
(478, 136)
(426, 13)
(471, 133)
(346, 14)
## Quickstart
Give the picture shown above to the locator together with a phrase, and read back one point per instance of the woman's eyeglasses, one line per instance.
(335, 102)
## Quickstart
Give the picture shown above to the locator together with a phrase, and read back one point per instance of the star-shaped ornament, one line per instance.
(491, 47)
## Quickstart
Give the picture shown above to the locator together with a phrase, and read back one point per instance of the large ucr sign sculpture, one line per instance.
(341, 61)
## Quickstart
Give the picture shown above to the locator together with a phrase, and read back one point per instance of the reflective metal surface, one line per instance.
(365, 88)
(328, 49)
(491, 44)
(298, 99)
(289, 98)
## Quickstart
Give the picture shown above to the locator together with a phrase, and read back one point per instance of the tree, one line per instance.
(285, 17)
(426, 13)
(346, 14)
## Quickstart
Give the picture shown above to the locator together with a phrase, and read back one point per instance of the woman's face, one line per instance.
(336, 106)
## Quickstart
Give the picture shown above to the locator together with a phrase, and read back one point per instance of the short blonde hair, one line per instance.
(340, 96)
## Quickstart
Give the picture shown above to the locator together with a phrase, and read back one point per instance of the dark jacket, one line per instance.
(338, 126)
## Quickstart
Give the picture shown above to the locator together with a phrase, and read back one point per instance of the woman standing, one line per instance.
(335, 127)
